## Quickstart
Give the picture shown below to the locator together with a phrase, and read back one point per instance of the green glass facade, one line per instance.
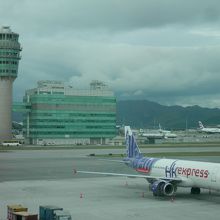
(72, 117)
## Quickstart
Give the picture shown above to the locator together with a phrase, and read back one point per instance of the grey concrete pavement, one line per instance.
(108, 198)
(34, 178)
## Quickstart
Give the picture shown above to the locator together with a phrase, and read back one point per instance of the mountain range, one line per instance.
(148, 114)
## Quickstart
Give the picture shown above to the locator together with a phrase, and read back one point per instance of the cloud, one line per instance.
(54, 15)
(166, 51)
(157, 72)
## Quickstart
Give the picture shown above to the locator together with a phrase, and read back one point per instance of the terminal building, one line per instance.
(57, 114)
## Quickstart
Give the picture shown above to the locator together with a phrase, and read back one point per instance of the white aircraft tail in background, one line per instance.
(201, 125)
(167, 134)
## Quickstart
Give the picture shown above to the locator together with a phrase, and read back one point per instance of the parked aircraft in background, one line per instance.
(167, 133)
(166, 175)
(208, 130)
(153, 135)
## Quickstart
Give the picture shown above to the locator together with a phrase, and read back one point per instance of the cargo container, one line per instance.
(24, 216)
(62, 215)
(13, 209)
(47, 212)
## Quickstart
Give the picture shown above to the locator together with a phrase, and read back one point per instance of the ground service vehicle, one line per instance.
(11, 143)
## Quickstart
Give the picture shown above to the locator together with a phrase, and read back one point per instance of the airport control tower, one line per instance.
(9, 58)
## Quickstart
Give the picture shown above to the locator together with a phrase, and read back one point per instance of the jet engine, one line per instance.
(162, 188)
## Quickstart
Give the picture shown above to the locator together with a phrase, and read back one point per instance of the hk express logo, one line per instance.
(172, 171)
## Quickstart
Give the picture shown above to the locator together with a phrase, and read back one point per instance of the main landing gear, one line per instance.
(195, 190)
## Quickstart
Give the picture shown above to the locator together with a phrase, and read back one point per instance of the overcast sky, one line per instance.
(166, 51)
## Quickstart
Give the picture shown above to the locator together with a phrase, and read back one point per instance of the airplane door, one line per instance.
(214, 175)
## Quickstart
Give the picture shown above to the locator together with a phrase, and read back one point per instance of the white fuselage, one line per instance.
(211, 130)
(153, 135)
(192, 173)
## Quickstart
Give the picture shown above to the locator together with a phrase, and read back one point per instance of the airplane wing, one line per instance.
(130, 175)
(117, 161)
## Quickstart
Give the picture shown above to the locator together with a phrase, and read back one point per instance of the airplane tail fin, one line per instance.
(160, 127)
(201, 125)
(132, 148)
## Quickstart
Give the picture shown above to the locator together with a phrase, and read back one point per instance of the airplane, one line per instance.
(167, 133)
(162, 130)
(166, 175)
(153, 135)
(208, 130)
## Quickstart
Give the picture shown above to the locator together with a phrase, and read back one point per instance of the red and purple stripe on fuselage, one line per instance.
(142, 165)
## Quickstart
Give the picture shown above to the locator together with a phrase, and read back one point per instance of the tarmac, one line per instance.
(34, 178)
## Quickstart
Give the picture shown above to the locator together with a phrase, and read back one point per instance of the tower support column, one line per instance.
(5, 108)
